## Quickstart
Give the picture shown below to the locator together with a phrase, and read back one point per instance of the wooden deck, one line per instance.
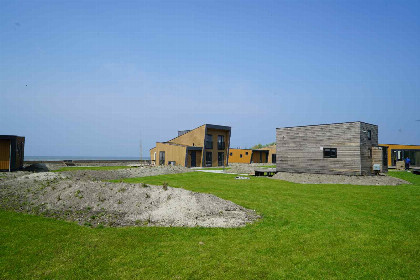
(265, 172)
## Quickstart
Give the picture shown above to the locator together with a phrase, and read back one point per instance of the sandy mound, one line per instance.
(305, 178)
(96, 203)
(126, 173)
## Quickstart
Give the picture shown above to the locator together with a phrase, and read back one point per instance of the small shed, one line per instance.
(12, 150)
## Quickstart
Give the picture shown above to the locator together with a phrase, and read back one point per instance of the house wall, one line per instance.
(236, 158)
(271, 150)
(152, 155)
(199, 159)
(4, 154)
(300, 149)
(259, 156)
(215, 151)
(172, 153)
(193, 138)
(366, 146)
(377, 158)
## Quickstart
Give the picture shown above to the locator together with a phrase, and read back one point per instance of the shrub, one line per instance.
(165, 186)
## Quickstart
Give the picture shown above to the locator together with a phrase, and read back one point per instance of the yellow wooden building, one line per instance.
(248, 156)
(398, 152)
(206, 145)
(11, 152)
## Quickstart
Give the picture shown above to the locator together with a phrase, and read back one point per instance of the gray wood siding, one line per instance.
(366, 146)
(300, 149)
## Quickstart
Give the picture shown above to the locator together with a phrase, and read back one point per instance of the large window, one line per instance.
(330, 152)
(161, 158)
(208, 141)
(413, 155)
(209, 158)
(220, 142)
(220, 159)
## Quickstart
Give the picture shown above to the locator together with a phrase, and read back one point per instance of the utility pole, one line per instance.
(141, 148)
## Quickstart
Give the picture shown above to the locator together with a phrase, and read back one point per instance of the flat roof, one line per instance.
(399, 145)
(9, 136)
(325, 124)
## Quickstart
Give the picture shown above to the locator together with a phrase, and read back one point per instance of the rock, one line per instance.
(37, 167)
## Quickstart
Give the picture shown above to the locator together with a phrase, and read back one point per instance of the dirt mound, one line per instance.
(96, 203)
(37, 167)
(305, 178)
(126, 173)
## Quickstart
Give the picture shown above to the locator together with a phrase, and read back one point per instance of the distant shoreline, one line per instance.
(60, 158)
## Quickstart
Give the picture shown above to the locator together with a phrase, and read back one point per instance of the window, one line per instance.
(209, 158)
(246, 153)
(220, 142)
(220, 159)
(161, 158)
(369, 134)
(208, 141)
(230, 154)
(240, 155)
(330, 152)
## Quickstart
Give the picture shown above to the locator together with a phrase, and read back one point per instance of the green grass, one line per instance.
(307, 232)
(73, 168)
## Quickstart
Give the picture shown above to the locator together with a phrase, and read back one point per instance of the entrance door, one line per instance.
(5, 154)
(193, 159)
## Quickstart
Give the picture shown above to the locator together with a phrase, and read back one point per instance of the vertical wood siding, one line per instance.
(4, 154)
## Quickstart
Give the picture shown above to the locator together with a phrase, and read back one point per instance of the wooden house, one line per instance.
(338, 148)
(12, 150)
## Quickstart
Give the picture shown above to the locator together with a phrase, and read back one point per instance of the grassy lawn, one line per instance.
(307, 232)
(73, 168)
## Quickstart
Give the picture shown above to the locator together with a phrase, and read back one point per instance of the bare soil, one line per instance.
(126, 173)
(77, 197)
(305, 178)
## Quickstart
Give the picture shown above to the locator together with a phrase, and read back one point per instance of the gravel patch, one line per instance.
(97, 203)
(244, 168)
(305, 178)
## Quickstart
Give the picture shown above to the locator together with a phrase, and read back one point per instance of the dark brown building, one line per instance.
(338, 148)
(12, 150)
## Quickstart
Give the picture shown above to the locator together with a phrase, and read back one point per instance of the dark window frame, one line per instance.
(209, 163)
(208, 144)
(221, 163)
(330, 152)
(161, 158)
(221, 142)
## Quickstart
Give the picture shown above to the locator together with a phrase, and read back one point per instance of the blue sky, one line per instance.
(92, 78)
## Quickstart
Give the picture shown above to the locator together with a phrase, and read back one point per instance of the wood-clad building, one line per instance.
(12, 150)
(206, 145)
(248, 156)
(338, 148)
